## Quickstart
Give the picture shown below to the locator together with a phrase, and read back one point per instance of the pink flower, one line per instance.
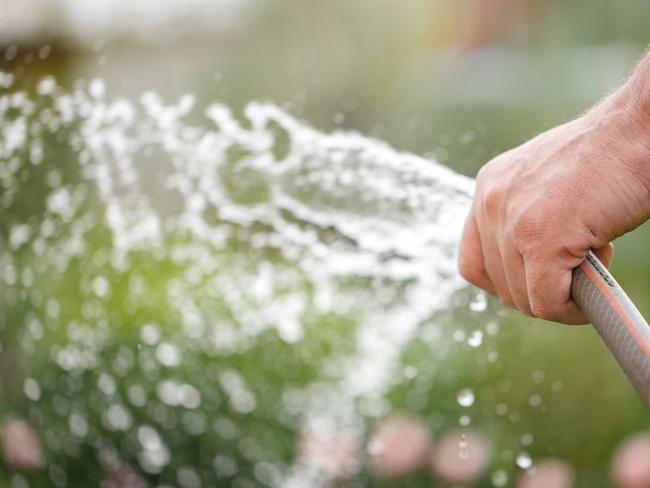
(123, 476)
(630, 466)
(327, 449)
(398, 446)
(21, 445)
(461, 456)
(547, 473)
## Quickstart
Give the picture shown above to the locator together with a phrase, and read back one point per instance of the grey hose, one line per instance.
(617, 320)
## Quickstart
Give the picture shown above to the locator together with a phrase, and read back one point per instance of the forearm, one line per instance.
(638, 86)
(621, 126)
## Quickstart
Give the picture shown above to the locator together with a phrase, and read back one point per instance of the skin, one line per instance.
(540, 207)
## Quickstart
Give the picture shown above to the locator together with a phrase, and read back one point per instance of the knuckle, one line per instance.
(491, 199)
(531, 252)
(487, 171)
(526, 228)
(482, 174)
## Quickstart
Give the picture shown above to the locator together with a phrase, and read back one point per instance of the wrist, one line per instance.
(637, 88)
(629, 105)
(635, 130)
(620, 128)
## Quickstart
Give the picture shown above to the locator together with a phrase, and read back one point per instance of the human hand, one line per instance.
(539, 208)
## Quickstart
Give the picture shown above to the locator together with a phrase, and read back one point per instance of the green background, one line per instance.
(394, 71)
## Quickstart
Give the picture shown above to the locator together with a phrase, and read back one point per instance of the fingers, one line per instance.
(536, 284)
(549, 290)
(515, 272)
(492, 254)
(494, 267)
(470, 259)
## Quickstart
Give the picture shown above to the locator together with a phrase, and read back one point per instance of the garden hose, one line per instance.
(616, 319)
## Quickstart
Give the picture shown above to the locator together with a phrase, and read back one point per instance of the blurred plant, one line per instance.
(630, 466)
(21, 445)
(547, 473)
(329, 451)
(398, 446)
(460, 457)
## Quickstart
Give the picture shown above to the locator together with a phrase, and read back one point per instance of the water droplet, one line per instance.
(504, 386)
(527, 439)
(465, 420)
(188, 477)
(11, 51)
(6, 80)
(465, 397)
(189, 396)
(479, 303)
(186, 103)
(535, 400)
(514, 417)
(118, 417)
(44, 51)
(375, 448)
(225, 466)
(524, 461)
(155, 454)
(32, 389)
(97, 88)
(459, 335)
(499, 478)
(100, 286)
(463, 443)
(106, 384)
(168, 355)
(410, 372)
(78, 425)
(475, 339)
(137, 395)
(149, 334)
(492, 327)
(538, 376)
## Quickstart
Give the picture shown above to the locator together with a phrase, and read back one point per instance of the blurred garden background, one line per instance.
(103, 378)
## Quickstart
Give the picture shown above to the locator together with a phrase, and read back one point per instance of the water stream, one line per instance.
(169, 267)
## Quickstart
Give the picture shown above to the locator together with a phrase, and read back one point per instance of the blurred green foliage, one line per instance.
(390, 70)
